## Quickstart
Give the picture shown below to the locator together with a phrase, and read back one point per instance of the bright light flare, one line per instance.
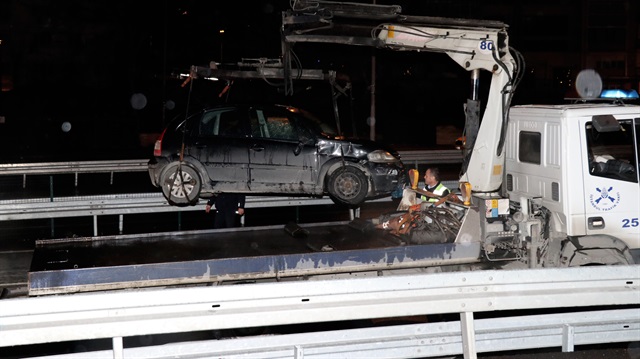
(210, 78)
(617, 93)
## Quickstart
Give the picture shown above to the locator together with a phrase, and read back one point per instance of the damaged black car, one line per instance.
(275, 150)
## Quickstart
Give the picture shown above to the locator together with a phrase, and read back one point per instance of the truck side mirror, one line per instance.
(605, 123)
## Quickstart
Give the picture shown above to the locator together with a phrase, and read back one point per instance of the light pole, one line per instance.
(372, 114)
(221, 43)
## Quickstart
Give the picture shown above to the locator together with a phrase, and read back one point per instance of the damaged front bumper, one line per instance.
(386, 177)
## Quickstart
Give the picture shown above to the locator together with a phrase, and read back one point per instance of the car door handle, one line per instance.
(257, 148)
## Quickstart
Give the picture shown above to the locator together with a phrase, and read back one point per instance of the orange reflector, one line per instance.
(413, 178)
(465, 189)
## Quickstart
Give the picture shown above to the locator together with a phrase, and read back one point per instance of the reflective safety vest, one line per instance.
(439, 190)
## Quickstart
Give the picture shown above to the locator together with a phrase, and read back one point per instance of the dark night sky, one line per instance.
(81, 61)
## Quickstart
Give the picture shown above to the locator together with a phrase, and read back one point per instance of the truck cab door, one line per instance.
(612, 190)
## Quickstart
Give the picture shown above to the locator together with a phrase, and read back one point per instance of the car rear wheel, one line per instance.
(181, 184)
(348, 186)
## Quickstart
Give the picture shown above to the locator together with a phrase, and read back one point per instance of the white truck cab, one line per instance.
(580, 161)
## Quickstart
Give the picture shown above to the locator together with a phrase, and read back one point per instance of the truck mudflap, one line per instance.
(216, 256)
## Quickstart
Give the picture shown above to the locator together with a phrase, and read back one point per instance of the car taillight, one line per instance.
(157, 148)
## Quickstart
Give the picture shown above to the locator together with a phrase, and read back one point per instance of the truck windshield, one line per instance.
(615, 154)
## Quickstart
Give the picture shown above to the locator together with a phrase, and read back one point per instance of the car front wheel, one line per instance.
(348, 186)
(181, 184)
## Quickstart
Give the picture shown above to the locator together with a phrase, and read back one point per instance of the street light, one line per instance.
(221, 42)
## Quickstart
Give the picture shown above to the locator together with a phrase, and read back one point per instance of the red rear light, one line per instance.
(157, 148)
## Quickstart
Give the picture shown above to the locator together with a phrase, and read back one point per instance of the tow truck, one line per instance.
(541, 185)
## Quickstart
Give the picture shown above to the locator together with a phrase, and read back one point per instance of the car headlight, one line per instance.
(380, 156)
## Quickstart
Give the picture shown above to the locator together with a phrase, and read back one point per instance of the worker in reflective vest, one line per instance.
(433, 185)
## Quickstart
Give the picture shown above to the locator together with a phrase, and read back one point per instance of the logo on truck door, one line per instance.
(604, 199)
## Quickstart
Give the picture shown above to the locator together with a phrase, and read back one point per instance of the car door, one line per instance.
(612, 206)
(282, 153)
(220, 144)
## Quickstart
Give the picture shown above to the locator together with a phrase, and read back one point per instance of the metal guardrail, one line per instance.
(46, 168)
(51, 168)
(136, 203)
(431, 157)
(407, 341)
(161, 311)
(140, 165)
(133, 203)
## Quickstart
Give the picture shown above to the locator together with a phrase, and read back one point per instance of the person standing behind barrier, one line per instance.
(227, 205)
(433, 185)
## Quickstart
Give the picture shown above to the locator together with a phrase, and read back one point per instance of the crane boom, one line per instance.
(475, 45)
(472, 49)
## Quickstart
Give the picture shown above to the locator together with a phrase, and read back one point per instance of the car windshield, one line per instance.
(318, 125)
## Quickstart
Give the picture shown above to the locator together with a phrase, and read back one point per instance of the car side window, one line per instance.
(226, 122)
(207, 124)
(272, 125)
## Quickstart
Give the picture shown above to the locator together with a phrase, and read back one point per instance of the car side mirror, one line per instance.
(302, 141)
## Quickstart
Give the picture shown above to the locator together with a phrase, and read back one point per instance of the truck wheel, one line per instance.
(348, 185)
(181, 184)
(599, 249)
(599, 256)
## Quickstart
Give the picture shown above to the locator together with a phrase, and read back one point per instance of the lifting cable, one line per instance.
(507, 93)
(182, 145)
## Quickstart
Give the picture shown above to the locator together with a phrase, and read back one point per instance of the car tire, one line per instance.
(181, 184)
(348, 186)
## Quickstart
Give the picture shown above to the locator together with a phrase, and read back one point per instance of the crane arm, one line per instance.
(475, 45)
(474, 49)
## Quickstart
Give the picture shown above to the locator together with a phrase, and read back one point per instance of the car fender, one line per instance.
(333, 164)
(595, 249)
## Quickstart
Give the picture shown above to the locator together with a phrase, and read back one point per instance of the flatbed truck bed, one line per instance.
(221, 256)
